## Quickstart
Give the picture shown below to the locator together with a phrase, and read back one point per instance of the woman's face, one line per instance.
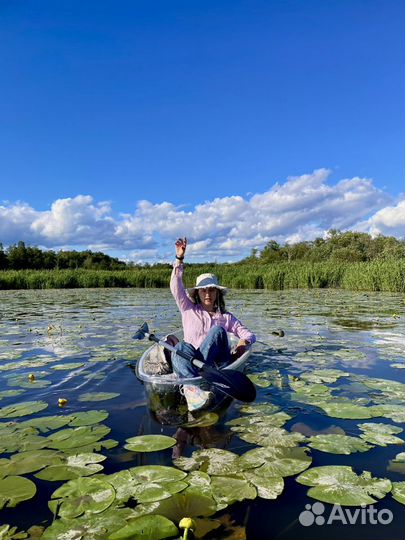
(208, 296)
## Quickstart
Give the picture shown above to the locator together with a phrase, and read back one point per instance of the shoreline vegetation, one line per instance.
(347, 260)
(387, 276)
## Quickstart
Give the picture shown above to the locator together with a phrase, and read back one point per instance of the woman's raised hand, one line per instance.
(181, 245)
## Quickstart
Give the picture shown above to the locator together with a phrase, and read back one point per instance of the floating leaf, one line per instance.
(336, 484)
(88, 418)
(88, 527)
(380, 434)
(338, 444)
(264, 408)
(15, 489)
(324, 375)
(72, 467)
(10, 393)
(28, 462)
(213, 461)
(97, 396)
(10, 533)
(227, 490)
(90, 495)
(268, 487)
(271, 436)
(77, 437)
(398, 491)
(347, 410)
(156, 473)
(22, 409)
(70, 365)
(47, 423)
(146, 528)
(276, 461)
(187, 503)
(149, 443)
(395, 412)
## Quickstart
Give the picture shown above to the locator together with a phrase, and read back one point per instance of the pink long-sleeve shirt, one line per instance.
(196, 320)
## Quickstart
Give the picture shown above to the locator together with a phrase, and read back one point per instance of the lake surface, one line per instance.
(361, 334)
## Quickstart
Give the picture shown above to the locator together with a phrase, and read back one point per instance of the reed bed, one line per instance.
(363, 276)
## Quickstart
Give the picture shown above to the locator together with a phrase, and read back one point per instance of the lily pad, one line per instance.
(227, 490)
(271, 436)
(22, 409)
(268, 487)
(213, 461)
(338, 444)
(90, 495)
(276, 461)
(347, 410)
(324, 375)
(72, 467)
(336, 484)
(70, 365)
(147, 527)
(47, 423)
(149, 443)
(186, 503)
(398, 491)
(77, 437)
(97, 396)
(259, 408)
(88, 418)
(15, 489)
(28, 462)
(380, 434)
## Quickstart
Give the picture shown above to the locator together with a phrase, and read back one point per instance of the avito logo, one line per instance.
(313, 514)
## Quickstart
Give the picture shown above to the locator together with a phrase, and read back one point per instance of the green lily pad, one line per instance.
(20, 440)
(149, 443)
(156, 473)
(28, 462)
(97, 396)
(227, 490)
(341, 485)
(186, 503)
(260, 408)
(72, 467)
(70, 365)
(254, 422)
(395, 412)
(398, 491)
(10, 393)
(213, 461)
(271, 436)
(338, 444)
(276, 461)
(88, 527)
(90, 495)
(347, 410)
(268, 487)
(77, 437)
(47, 423)
(15, 489)
(147, 527)
(22, 409)
(10, 533)
(88, 418)
(324, 375)
(380, 434)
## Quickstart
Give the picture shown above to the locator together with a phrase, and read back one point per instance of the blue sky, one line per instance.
(107, 104)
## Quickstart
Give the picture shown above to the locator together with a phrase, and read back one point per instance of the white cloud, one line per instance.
(301, 208)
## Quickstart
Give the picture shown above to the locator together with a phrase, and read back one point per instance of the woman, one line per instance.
(205, 324)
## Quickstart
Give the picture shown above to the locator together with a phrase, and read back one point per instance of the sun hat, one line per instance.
(205, 281)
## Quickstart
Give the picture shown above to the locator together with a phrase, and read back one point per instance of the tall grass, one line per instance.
(370, 276)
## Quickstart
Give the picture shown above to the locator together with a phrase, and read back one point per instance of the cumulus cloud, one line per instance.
(302, 208)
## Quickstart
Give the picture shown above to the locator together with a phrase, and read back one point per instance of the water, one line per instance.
(94, 327)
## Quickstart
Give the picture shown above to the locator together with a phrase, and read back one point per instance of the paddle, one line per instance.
(229, 381)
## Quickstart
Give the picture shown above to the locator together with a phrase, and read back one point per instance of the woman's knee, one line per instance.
(218, 332)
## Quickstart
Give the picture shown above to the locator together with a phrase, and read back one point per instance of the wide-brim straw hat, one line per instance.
(205, 281)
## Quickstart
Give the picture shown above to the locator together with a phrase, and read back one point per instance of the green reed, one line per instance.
(362, 276)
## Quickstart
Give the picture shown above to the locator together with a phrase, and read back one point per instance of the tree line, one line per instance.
(336, 247)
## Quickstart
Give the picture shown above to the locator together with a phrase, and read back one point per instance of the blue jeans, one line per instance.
(214, 350)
